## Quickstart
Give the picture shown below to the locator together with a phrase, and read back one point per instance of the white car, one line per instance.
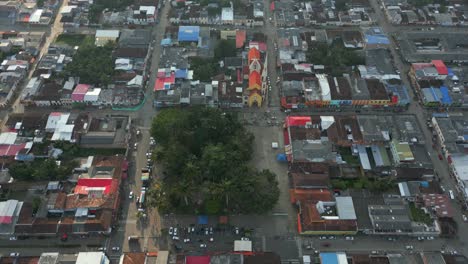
(211, 239)
(14, 254)
(130, 195)
(409, 247)
(102, 249)
(186, 240)
(175, 238)
(349, 238)
(171, 230)
(245, 239)
(175, 231)
(115, 248)
(13, 238)
(465, 219)
(203, 245)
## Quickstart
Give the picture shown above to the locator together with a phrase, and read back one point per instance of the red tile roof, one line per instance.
(162, 81)
(298, 120)
(197, 260)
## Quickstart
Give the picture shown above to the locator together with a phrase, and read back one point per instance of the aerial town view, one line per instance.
(234, 131)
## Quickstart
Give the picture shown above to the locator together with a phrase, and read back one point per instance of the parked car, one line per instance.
(245, 239)
(203, 245)
(102, 249)
(409, 247)
(115, 248)
(349, 238)
(175, 238)
(440, 157)
(171, 230)
(14, 254)
(130, 195)
(465, 219)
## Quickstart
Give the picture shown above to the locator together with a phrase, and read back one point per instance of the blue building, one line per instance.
(189, 34)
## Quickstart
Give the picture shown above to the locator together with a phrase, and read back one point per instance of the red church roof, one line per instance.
(255, 79)
(254, 54)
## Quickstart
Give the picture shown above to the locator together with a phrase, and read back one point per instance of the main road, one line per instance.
(148, 230)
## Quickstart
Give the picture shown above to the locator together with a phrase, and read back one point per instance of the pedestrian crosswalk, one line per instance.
(290, 261)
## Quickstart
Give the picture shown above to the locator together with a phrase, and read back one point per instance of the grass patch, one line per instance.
(83, 152)
(373, 185)
(348, 157)
(71, 39)
(418, 215)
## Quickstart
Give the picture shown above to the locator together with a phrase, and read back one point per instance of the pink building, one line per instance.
(79, 93)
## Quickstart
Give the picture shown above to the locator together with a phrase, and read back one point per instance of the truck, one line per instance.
(145, 178)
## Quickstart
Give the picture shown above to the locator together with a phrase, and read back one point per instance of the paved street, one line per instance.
(147, 230)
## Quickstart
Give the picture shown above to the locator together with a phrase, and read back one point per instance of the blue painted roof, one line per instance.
(377, 39)
(166, 42)
(450, 72)
(189, 33)
(202, 219)
(181, 74)
(329, 258)
(446, 99)
(400, 91)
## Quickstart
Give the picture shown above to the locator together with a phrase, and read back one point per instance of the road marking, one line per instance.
(280, 214)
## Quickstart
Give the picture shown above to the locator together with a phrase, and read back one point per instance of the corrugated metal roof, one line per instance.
(345, 208)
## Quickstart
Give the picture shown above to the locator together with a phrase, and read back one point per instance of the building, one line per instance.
(256, 80)
(104, 36)
(89, 208)
(189, 34)
(92, 258)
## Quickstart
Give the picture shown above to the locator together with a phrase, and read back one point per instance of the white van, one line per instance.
(452, 196)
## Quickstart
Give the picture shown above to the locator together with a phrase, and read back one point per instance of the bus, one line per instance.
(142, 200)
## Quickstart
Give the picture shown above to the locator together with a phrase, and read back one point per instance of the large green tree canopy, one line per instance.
(205, 154)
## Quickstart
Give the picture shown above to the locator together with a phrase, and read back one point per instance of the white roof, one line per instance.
(8, 138)
(137, 80)
(92, 258)
(460, 165)
(345, 208)
(107, 33)
(67, 9)
(326, 121)
(8, 208)
(55, 119)
(95, 91)
(241, 245)
(324, 86)
(227, 14)
(63, 132)
(148, 9)
(36, 16)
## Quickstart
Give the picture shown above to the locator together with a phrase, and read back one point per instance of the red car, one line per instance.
(440, 157)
